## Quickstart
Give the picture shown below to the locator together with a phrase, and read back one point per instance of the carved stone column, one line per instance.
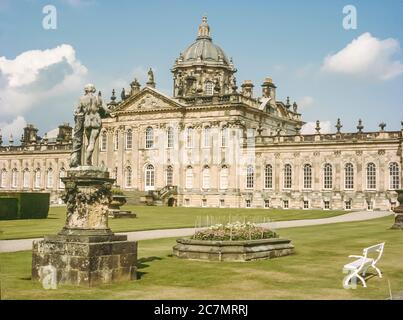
(399, 211)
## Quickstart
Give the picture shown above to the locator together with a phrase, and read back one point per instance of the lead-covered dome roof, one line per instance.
(203, 50)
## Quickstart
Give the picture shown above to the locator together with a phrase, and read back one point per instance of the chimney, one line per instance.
(30, 134)
(269, 89)
(65, 132)
(247, 88)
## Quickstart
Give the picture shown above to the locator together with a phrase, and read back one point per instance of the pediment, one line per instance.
(147, 99)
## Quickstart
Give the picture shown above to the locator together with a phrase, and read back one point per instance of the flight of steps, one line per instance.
(134, 197)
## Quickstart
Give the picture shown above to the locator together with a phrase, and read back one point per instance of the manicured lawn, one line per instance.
(149, 218)
(313, 272)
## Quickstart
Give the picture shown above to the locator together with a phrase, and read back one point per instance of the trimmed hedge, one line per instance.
(24, 205)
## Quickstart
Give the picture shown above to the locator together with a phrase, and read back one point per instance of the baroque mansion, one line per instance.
(214, 144)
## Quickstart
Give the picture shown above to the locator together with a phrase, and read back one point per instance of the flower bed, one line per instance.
(233, 242)
(235, 231)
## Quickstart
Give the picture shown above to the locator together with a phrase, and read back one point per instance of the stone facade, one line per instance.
(216, 145)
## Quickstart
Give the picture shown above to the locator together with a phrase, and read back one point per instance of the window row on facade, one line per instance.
(328, 177)
(32, 179)
(327, 174)
(149, 138)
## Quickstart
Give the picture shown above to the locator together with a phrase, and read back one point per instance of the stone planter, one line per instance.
(247, 250)
(398, 225)
(114, 208)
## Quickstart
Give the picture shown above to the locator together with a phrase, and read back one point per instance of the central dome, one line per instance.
(206, 50)
(203, 50)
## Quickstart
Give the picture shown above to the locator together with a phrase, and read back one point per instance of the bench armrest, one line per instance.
(355, 256)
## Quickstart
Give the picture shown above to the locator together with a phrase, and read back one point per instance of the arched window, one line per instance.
(149, 137)
(224, 137)
(189, 137)
(3, 177)
(170, 137)
(394, 176)
(287, 176)
(371, 176)
(327, 176)
(207, 137)
(128, 177)
(62, 174)
(224, 178)
(150, 177)
(268, 176)
(116, 140)
(206, 178)
(25, 178)
(170, 173)
(14, 178)
(49, 178)
(307, 176)
(37, 178)
(250, 177)
(129, 139)
(349, 176)
(104, 141)
(189, 178)
(209, 88)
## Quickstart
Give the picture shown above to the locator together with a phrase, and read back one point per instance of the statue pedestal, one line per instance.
(86, 251)
(398, 225)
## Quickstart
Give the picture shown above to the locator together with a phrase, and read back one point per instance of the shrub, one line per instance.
(8, 208)
(235, 231)
(24, 205)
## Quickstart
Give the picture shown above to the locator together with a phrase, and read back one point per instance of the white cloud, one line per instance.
(367, 56)
(14, 127)
(305, 102)
(309, 127)
(37, 75)
(52, 133)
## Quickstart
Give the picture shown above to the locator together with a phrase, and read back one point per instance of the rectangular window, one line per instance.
(187, 202)
(248, 203)
(204, 203)
(189, 138)
(326, 205)
(306, 204)
(224, 137)
(267, 204)
(370, 205)
(170, 138)
(222, 203)
(347, 205)
(207, 137)
(285, 204)
(268, 177)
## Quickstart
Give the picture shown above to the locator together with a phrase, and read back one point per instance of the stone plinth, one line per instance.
(86, 252)
(247, 250)
(399, 212)
(86, 260)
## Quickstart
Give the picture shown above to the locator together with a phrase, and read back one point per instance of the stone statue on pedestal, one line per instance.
(86, 251)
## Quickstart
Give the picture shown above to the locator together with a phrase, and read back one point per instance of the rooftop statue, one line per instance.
(87, 118)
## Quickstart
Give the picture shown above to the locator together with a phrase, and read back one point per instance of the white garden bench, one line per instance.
(363, 263)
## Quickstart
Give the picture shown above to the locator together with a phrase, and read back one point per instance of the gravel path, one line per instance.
(26, 244)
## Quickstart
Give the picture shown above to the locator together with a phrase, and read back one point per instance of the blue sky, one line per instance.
(109, 42)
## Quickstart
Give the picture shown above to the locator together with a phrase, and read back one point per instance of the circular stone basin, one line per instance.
(247, 250)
